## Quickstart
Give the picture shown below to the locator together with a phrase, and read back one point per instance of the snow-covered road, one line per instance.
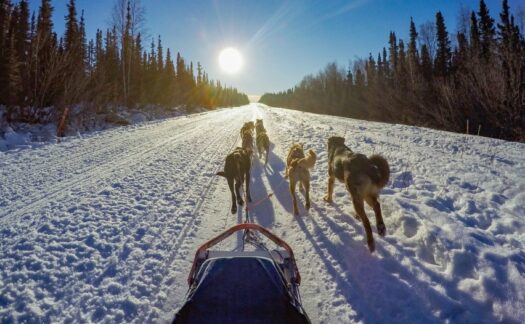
(103, 228)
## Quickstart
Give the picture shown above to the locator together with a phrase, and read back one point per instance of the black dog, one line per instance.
(363, 177)
(237, 170)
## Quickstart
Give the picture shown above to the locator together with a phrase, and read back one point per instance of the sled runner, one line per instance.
(259, 286)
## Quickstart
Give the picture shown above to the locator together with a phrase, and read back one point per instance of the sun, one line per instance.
(230, 60)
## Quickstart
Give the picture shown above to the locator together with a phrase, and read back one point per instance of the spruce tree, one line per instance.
(413, 54)
(13, 80)
(71, 32)
(426, 63)
(22, 41)
(22, 31)
(82, 42)
(44, 22)
(460, 55)
(386, 65)
(137, 72)
(443, 53)
(126, 55)
(505, 28)
(5, 12)
(402, 70)
(371, 71)
(46, 51)
(152, 57)
(169, 78)
(349, 79)
(379, 67)
(486, 28)
(474, 35)
(199, 73)
(393, 52)
(160, 59)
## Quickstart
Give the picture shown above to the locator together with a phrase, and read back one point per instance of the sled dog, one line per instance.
(248, 126)
(262, 141)
(236, 171)
(259, 126)
(247, 141)
(363, 177)
(297, 165)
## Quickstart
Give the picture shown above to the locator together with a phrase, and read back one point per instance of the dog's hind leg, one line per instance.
(294, 199)
(306, 186)
(328, 196)
(234, 203)
(248, 195)
(238, 183)
(374, 203)
(359, 206)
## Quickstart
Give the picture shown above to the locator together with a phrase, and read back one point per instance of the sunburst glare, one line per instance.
(230, 60)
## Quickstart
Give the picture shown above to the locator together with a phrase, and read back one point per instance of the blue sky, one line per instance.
(281, 41)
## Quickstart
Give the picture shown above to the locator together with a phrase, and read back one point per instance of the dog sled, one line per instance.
(244, 285)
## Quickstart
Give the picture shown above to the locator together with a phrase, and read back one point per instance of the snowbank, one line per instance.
(81, 121)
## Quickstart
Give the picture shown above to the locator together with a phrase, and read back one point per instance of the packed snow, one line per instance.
(103, 228)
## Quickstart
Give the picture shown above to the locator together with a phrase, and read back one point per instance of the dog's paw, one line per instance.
(307, 205)
(371, 246)
(249, 199)
(240, 202)
(327, 199)
(234, 209)
(381, 229)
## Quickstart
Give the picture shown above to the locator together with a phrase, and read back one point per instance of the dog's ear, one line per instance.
(221, 173)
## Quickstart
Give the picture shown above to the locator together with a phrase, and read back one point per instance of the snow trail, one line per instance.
(104, 228)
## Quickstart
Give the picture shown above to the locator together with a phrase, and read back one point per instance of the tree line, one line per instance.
(475, 77)
(41, 73)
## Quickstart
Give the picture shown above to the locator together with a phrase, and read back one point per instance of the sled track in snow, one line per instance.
(154, 221)
(178, 241)
(125, 159)
(164, 223)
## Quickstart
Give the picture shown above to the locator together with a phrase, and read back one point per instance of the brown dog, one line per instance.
(248, 126)
(363, 177)
(262, 141)
(298, 172)
(259, 126)
(307, 162)
(236, 171)
(247, 141)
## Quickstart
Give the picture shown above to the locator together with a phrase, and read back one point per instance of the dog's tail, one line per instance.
(307, 162)
(382, 174)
